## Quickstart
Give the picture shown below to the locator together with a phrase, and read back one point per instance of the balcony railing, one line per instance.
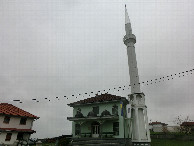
(108, 117)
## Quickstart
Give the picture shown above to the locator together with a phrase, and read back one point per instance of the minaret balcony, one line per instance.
(137, 99)
(129, 38)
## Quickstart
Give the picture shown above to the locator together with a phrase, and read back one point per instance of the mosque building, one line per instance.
(111, 119)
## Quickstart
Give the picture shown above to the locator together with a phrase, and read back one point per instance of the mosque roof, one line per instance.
(99, 99)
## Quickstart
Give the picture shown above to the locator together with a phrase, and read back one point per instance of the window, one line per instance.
(20, 136)
(78, 110)
(77, 129)
(6, 120)
(8, 137)
(79, 114)
(128, 110)
(116, 128)
(115, 110)
(23, 121)
(96, 110)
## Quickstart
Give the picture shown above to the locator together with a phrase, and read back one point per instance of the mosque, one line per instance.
(110, 119)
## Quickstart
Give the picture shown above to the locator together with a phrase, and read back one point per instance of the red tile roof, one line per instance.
(9, 109)
(15, 129)
(187, 124)
(99, 98)
(156, 123)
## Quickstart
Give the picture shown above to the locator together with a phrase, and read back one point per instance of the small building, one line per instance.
(187, 127)
(158, 127)
(15, 124)
(102, 116)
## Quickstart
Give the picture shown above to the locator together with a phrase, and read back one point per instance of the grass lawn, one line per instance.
(160, 142)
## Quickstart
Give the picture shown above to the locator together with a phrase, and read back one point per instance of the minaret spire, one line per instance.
(127, 20)
(128, 28)
(129, 41)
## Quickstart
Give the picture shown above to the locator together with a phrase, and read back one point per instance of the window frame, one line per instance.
(116, 128)
(22, 122)
(77, 129)
(8, 136)
(97, 108)
(115, 110)
(20, 134)
(6, 118)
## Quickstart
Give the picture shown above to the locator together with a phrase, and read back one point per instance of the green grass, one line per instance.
(160, 142)
(170, 133)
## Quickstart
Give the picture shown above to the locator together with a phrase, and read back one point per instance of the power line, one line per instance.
(125, 87)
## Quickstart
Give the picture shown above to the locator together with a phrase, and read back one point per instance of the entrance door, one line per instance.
(95, 129)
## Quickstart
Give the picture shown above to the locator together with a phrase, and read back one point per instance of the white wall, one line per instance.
(3, 136)
(173, 128)
(13, 137)
(159, 128)
(157, 125)
(150, 127)
(15, 123)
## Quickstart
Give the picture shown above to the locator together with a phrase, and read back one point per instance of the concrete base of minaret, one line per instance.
(140, 133)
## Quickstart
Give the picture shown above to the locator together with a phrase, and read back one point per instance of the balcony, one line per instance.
(110, 117)
(105, 115)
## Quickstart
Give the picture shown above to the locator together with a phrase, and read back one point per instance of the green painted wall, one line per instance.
(102, 106)
(108, 125)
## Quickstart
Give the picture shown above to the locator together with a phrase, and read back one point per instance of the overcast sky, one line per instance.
(59, 48)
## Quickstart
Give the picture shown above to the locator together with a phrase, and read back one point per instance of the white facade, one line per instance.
(14, 123)
(173, 128)
(13, 138)
(163, 128)
(159, 128)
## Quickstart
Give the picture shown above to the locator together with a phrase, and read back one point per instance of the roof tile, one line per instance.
(187, 124)
(9, 109)
(98, 98)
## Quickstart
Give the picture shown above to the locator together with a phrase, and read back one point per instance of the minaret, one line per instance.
(140, 133)
(129, 41)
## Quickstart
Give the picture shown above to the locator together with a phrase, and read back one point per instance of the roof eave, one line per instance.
(19, 116)
(80, 104)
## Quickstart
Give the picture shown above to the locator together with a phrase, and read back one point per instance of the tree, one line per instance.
(179, 120)
(164, 129)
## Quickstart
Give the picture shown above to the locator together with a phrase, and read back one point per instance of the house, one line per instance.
(15, 124)
(158, 127)
(101, 117)
(187, 127)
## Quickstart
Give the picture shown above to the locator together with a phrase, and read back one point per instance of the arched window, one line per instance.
(79, 114)
(78, 110)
